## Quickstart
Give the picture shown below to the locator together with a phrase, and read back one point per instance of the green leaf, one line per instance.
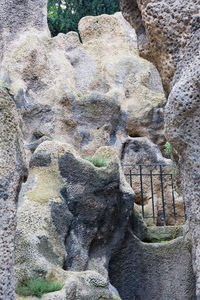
(64, 16)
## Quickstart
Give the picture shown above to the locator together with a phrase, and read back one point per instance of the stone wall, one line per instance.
(168, 35)
(12, 171)
(91, 93)
(98, 92)
(72, 92)
(71, 217)
(158, 271)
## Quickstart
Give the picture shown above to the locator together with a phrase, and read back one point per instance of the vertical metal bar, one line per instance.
(131, 184)
(130, 176)
(184, 210)
(152, 196)
(141, 186)
(173, 198)
(162, 190)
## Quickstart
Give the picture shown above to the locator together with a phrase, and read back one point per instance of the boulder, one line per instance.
(168, 35)
(80, 285)
(71, 214)
(12, 173)
(157, 271)
(20, 17)
(88, 94)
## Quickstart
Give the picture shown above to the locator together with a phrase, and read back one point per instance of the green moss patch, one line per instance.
(97, 161)
(117, 298)
(38, 287)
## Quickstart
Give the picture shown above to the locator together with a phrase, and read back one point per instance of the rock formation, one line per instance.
(78, 93)
(77, 213)
(87, 94)
(78, 216)
(75, 219)
(12, 172)
(168, 35)
(21, 18)
(150, 271)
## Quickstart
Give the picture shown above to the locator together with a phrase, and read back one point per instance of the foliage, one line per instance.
(37, 287)
(116, 297)
(7, 87)
(168, 149)
(4, 85)
(97, 161)
(64, 15)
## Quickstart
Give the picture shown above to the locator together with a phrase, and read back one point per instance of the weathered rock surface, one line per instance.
(156, 271)
(80, 285)
(76, 213)
(77, 93)
(20, 18)
(141, 150)
(12, 171)
(168, 35)
(78, 217)
(88, 94)
(164, 233)
(72, 216)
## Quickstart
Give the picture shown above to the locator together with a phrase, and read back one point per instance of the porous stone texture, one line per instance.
(81, 94)
(156, 271)
(80, 285)
(71, 214)
(12, 171)
(21, 17)
(88, 94)
(141, 150)
(41, 213)
(168, 35)
(100, 208)
(164, 233)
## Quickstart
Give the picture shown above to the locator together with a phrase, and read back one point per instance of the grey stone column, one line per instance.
(12, 171)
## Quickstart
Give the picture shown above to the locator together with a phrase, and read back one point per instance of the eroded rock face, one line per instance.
(88, 94)
(80, 285)
(153, 271)
(168, 35)
(71, 214)
(165, 30)
(12, 170)
(77, 93)
(21, 17)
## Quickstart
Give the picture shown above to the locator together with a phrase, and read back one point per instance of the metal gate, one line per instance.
(154, 184)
